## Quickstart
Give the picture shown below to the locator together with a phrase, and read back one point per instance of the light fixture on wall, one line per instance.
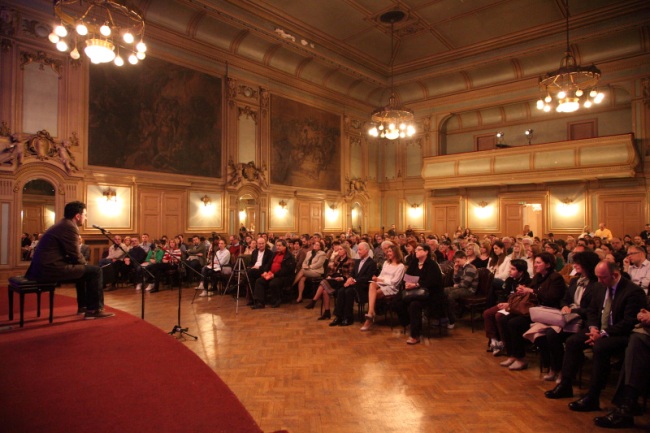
(500, 143)
(571, 84)
(283, 204)
(529, 135)
(206, 200)
(110, 195)
(415, 205)
(333, 206)
(101, 27)
(392, 121)
(567, 200)
(482, 204)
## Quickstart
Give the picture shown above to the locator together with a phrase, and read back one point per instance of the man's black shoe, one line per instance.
(346, 322)
(585, 404)
(561, 390)
(615, 419)
(335, 322)
(257, 306)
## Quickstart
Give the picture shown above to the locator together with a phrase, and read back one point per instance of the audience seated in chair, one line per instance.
(197, 255)
(492, 318)
(387, 283)
(364, 269)
(312, 267)
(339, 270)
(279, 276)
(218, 264)
(611, 317)
(428, 275)
(465, 284)
(170, 260)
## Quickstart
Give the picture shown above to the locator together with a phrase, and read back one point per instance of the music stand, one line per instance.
(239, 268)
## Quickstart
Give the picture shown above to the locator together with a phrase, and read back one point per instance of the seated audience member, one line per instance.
(250, 247)
(410, 252)
(261, 258)
(85, 249)
(634, 378)
(171, 258)
(465, 285)
(362, 273)
(312, 267)
(548, 288)
(553, 248)
(340, 269)
(499, 265)
(483, 255)
(428, 276)
(25, 242)
(279, 276)
(472, 251)
(145, 243)
(638, 266)
(115, 257)
(155, 255)
(576, 300)
(218, 264)
(386, 284)
(611, 317)
(133, 263)
(197, 255)
(518, 277)
(234, 247)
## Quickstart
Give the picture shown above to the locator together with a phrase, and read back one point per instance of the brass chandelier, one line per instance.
(392, 121)
(571, 85)
(101, 28)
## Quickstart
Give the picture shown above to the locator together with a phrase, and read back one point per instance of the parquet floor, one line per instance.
(296, 373)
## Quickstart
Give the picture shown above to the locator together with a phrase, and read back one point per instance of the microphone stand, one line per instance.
(178, 328)
(107, 234)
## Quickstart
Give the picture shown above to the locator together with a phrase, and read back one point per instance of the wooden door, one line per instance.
(513, 219)
(446, 217)
(622, 215)
(310, 217)
(33, 218)
(161, 213)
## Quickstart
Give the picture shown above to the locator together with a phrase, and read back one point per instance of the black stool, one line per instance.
(22, 285)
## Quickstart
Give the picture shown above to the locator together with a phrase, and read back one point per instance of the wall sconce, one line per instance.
(482, 204)
(500, 143)
(283, 204)
(568, 207)
(567, 200)
(333, 206)
(206, 200)
(483, 210)
(529, 135)
(415, 205)
(110, 194)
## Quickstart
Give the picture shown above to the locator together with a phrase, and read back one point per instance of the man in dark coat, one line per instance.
(58, 258)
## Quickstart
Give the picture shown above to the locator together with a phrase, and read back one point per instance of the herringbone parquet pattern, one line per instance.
(294, 372)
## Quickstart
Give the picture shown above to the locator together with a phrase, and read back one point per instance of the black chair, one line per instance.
(478, 301)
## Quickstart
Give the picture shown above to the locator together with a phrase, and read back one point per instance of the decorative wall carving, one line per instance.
(248, 112)
(356, 187)
(8, 27)
(42, 59)
(264, 100)
(243, 173)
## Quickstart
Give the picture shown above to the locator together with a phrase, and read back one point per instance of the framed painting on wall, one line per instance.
(305, 145)
(156, 116)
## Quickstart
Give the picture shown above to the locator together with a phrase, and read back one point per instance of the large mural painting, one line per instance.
(305, 146)
(155, 116)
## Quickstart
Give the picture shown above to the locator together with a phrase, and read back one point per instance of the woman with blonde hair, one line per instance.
(387, 283)
(339, 270)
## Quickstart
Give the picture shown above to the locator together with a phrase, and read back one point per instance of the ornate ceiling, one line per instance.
(443, 47)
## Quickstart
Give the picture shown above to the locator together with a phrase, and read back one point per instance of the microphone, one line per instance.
(103, 230)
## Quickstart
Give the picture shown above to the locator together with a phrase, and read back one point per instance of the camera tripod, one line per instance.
(239, 269)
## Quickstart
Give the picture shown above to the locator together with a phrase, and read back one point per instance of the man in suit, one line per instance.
(611, 316)
(260, 263)
(364, 269)
(634, 379)
(58, 258)
(280, 275)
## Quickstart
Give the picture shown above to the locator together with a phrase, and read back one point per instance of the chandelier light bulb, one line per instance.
(119, 61)
(540, 104)
(53, 37)
(599, 97)
(62, 45)
(128, 37)
(587, 104)
(61, 31)
(593, 94)
(82, 30)
(381, 127)
(410, 130)
(548, 99)
(579, 93)
(561, 94)
(140, 55)
(133, 59)
(547, 108)
(391, 126)
(141, 47)
(105, 30)
(75, 54)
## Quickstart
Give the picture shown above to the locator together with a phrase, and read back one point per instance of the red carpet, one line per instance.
(110, 375)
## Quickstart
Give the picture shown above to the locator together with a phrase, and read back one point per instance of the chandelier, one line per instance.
(392, 121)
(100, 28)
(571, 85)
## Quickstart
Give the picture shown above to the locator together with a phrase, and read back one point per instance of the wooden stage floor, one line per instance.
(296, 373)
